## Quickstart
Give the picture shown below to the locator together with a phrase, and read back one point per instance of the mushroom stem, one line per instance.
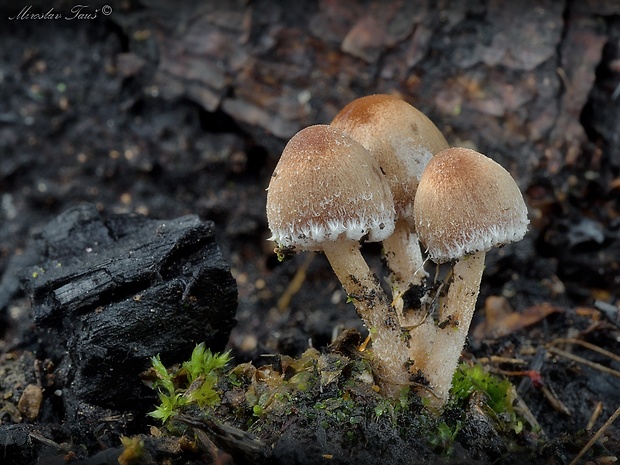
(389, 342)
(406, 267)
(404, 258)
(456, 312)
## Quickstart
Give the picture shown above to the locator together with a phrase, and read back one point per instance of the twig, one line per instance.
(595, 414)
(587, 345)
(553, 399)
(596, 436)
(526, 413)
(499, 359)
(295, 284)
(576, 358)
(49, 442)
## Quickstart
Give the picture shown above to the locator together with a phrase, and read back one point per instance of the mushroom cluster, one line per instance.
(383, 172)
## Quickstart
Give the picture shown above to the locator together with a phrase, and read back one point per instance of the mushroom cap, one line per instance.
(401, 138)
(467, 203)
(327, 187)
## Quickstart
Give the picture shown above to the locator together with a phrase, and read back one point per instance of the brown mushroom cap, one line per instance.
(327, 186)
(401, 138)
(467, 203)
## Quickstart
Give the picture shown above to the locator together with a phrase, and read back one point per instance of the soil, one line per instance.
(167, 110)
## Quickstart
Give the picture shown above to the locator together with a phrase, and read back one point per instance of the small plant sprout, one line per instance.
(328, 194)
(194, 383)
(403, 140)
(465, 205)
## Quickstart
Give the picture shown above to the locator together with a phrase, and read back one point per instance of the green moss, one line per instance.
(443, 436)
(325, 392)
(194, 383)
(204, 362)
(498, 394)
(493, 394)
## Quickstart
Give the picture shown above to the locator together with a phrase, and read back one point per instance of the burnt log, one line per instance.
(111, 292)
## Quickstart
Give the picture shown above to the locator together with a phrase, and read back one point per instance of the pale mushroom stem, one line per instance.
(456, 312)
(406, 265)
(404, 258)
(389, 345)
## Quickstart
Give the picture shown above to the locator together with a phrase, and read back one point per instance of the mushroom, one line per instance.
(466, 204)
(328, 194)
(403, 140)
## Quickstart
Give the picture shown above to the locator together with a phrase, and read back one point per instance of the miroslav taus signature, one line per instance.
(77, 12)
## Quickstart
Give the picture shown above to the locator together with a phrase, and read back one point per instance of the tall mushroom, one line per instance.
(403, 140)
(328, 194)
(466, 204)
